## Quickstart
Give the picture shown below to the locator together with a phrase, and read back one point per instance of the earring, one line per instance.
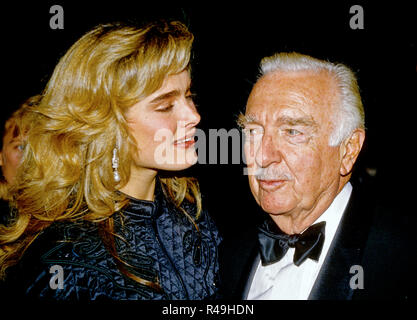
(115, 165)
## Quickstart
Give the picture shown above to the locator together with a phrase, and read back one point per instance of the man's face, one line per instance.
(288, 122)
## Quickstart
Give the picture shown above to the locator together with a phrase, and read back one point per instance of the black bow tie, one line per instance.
(274, 243)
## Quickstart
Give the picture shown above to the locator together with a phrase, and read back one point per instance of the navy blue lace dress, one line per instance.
(157, 241)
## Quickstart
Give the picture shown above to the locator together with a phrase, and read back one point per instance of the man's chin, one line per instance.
(274, 208)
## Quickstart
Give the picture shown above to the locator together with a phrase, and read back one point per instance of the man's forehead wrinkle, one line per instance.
(305, 120)
(301, 87)
(287, 98)
(281, 119)
(273, 112)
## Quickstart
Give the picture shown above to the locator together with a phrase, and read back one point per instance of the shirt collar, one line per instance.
(335, 211)
(333, 215)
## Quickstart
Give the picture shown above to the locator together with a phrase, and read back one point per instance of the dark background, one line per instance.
(229, 43)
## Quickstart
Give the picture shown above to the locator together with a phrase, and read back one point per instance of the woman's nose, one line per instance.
(191, 117)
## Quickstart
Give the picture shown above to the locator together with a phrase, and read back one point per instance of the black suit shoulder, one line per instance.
(389, 257)
(236, 255)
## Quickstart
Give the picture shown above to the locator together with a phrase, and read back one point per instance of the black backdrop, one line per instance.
(230, 41)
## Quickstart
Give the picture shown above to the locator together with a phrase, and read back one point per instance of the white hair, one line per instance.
(350, 114)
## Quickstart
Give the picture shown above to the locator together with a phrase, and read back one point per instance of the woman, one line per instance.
(11, 144)
(103, 211)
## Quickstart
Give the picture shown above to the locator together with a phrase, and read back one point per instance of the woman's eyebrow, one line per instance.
(168, 95)
(165, 96)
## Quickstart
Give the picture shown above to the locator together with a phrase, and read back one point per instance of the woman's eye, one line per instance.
(165, 108)
(19, 147)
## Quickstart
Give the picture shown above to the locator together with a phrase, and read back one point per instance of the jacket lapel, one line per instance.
(238, 257)
(346, 250)
(254, 267)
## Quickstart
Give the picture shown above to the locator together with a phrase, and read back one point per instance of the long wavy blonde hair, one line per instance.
(66, 172)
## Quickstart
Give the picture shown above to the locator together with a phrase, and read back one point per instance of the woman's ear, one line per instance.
(350, 150)
(1, 158)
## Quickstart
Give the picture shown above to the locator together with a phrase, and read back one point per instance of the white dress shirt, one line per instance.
(283, 280)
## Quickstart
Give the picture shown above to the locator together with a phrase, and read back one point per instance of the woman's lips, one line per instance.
(185, 143)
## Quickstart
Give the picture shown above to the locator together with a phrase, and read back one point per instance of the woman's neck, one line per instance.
(141, 184)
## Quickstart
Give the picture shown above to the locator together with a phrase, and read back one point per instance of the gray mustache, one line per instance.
(264, 174)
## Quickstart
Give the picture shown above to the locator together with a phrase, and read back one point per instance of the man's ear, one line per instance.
(1, 158)
(350, 150)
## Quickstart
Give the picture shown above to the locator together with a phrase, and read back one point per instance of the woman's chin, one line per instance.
(181, 165)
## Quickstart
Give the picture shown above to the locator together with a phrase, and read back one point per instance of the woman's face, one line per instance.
(11, 154)
(163, 125)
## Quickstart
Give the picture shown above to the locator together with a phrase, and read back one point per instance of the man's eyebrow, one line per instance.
(243, 120)
(296, 121)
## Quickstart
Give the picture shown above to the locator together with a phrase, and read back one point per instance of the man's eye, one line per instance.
(190, 96)
(293, 132)
(296, 136)
(251, 131)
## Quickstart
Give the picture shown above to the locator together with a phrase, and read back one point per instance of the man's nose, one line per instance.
(268, 152)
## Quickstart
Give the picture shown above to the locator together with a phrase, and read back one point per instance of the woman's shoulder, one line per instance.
(70, 243)
(69, 261)
(59, 262)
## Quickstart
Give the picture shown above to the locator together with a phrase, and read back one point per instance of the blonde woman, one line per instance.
(103, 213)
(11, 144)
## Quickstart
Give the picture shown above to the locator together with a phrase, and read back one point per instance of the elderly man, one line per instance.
(304, 129)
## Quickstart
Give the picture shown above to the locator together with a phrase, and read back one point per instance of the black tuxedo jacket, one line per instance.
(374, 237)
